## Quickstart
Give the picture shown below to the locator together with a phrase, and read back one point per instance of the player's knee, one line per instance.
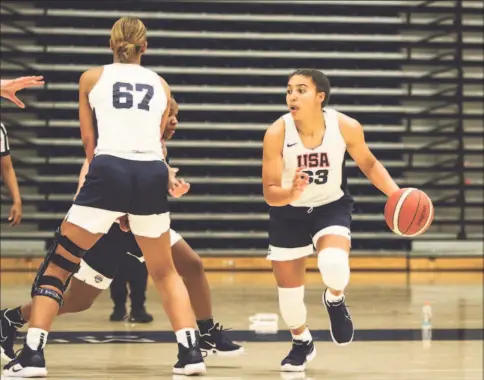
(333, 263)
(161, 272)
(51, 282)
(192, 269)
(292, 307)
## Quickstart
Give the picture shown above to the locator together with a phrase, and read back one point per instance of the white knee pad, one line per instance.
(334, 265)
(291, 304)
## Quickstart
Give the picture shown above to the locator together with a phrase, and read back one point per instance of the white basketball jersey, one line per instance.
(129, 101)
(324, 164)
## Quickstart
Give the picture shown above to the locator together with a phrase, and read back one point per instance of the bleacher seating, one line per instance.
(399, 69)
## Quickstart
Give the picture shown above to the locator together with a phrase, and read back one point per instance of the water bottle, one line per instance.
(264, 323)
(427, 325)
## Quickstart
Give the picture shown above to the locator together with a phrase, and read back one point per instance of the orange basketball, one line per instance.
(409, 212)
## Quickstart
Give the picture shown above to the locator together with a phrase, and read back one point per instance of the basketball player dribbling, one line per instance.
(127, 176)
(305, 185)
(100, 264)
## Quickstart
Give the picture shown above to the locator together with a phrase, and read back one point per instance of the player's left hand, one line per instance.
(15, 215)
(10, 86)
(179, 188)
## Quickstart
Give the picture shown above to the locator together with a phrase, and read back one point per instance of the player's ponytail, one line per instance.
(128, 37)
(126, 52)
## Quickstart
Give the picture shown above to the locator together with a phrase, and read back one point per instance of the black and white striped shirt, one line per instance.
(4, 147)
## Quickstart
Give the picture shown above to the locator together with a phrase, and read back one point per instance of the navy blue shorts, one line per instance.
(131, 187)
(115, 187)
(293, 231)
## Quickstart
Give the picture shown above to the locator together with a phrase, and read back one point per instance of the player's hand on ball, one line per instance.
(179, 188)
(299, 183)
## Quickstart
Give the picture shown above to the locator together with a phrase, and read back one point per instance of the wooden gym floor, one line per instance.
(386, 309)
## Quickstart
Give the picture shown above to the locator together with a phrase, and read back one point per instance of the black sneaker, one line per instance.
(140, 316)
(300, 353)
(8, 332)
(215, 342)
(341, 325)
(190, 359)
(118, 314)
(28, 363)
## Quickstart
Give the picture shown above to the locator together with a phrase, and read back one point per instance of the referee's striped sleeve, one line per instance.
(4, 147)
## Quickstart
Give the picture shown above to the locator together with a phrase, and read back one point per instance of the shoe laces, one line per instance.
(341, 308)
(217, 332)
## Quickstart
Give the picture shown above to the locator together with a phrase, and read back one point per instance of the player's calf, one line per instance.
(30, 362)
(294, 312)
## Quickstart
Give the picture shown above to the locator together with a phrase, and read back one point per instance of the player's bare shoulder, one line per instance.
(90, 77)
(92, 73)
(346, 121)
(276, 128)
(274, 136)
(350, 128)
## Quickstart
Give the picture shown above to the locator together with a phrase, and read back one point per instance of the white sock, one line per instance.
(36, 338)
(305, 336)
(184, 336)
(330, 297)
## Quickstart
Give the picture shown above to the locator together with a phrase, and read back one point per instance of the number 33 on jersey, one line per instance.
(323, 164)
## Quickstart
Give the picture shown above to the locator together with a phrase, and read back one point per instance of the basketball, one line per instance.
(409, 212)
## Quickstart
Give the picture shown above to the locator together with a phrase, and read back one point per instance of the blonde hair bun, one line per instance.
(128, 35)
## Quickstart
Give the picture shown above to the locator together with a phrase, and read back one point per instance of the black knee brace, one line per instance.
(60, 261)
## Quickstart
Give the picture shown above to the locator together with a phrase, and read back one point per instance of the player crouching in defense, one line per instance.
(305, 185)
(99, 267)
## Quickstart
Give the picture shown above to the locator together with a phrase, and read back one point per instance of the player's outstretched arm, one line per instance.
(272, 168)
(9, 87)
(358, 149)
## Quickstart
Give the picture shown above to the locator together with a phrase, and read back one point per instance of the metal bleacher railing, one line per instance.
(449, 95)
(406, 83)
